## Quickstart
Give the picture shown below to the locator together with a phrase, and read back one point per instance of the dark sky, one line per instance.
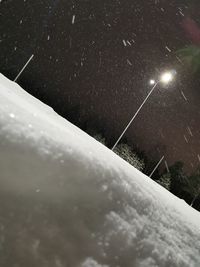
(96, 57)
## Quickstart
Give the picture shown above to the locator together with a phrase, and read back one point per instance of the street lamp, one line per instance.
(152, 82)
(165, 79)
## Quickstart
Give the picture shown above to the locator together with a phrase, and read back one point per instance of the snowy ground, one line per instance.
(68, 201)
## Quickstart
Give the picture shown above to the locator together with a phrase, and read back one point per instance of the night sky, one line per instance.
(95, 58)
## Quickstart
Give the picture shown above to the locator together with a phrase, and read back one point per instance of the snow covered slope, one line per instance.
(68, 201)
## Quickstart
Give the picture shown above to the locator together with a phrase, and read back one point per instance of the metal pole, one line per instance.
(23, 68)
(156, 166)
(166, 165)
(135, 115)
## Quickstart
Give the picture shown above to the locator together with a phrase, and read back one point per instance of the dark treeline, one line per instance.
(174, 180)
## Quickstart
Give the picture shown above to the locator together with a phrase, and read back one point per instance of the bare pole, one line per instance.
(23, 68)
(156, 167)
(134, 116)
(167, 167)
(195, 197)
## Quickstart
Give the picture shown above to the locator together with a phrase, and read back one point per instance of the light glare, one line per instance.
(166, 77)
(152, 82)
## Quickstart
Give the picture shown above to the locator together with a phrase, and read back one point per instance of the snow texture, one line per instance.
(68, 201)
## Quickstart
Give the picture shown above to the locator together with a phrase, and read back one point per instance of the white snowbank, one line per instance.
(68, 201)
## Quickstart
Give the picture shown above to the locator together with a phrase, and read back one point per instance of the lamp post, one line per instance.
(165, 78)
(23, 68)
(157, 165)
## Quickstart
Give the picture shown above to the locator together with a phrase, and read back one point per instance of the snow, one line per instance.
(190, 131)
(168, 49)
(67, 200)
(124, 42)
(184, 97)
(73, 19)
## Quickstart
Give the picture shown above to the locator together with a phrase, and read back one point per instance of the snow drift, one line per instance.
(68, 201)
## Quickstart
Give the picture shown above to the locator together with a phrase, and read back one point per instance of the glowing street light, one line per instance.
(152, 82)
(165, 78)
